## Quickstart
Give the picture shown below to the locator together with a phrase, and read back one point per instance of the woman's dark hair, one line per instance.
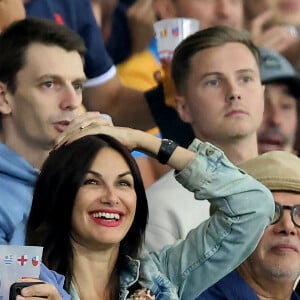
(49, 223)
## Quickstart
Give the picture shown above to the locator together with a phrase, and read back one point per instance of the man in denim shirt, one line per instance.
(271, 270)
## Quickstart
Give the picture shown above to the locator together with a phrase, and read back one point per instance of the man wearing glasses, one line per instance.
(271, 271)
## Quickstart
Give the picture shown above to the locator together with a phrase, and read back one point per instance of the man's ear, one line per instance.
(164, 9)
(5, 107)
(183, 109)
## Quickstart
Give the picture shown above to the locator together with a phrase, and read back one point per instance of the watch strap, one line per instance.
(166, 149)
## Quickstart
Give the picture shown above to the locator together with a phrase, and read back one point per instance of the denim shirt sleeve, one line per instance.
(220, 244)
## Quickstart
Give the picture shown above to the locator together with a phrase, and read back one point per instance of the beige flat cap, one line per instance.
(277, 170)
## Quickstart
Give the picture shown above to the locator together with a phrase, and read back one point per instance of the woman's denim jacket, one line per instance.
(217, 246)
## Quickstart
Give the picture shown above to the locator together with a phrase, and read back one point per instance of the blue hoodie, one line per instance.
(17, 179)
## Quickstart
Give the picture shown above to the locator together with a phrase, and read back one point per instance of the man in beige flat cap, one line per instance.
(270, 272)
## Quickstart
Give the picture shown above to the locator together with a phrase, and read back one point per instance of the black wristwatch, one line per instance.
(165, 151)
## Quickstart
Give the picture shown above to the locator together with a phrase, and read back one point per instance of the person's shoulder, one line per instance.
(15, 169)
(163, 182)
(56, 279)
(224, 289)
(50, 275)
(295, 296)
(166, 188)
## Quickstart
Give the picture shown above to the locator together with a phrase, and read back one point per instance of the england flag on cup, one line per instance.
(22, 260)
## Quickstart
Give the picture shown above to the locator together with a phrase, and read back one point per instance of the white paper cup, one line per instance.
(17, 262)
(170, 32)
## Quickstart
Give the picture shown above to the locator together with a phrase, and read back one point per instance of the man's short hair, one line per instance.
(16, 39)
(204, 39)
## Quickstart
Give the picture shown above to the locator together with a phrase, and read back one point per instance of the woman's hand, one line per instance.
(275, 37)
(79, 123)
(92, 123)
(38, 291)
(126, 136)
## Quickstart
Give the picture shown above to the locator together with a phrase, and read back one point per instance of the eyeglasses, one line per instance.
(295, 213)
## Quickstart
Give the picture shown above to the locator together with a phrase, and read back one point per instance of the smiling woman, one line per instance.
(90, 211)
(97, 212)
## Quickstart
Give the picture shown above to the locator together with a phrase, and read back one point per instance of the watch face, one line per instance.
(167, 141)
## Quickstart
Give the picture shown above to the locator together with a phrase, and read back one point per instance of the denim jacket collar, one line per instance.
(129, 276)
